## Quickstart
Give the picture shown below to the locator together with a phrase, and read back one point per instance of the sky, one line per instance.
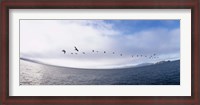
(139, 41)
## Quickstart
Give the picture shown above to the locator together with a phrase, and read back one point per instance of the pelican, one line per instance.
(75, 48)
(64, 51)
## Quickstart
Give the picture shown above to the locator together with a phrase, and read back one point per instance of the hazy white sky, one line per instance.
(44, 40)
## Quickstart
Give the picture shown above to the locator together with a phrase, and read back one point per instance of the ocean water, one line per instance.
(32, 73)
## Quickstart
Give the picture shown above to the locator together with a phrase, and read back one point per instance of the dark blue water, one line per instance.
(167, 73)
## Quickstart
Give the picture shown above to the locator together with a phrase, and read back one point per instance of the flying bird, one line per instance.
(121, 54)
(64, 51)
(71, 53)
(92, 50)
(113, 52)
(104, 52)
(83, 52)
(75, 48)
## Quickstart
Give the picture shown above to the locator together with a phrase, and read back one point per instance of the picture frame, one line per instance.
(89, 4)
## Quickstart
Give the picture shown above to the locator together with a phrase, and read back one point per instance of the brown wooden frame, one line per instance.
(5, 99)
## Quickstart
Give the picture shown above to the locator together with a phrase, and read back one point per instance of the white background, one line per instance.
(184, 89)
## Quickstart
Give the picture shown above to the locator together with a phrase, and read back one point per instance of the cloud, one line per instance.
(44, 39)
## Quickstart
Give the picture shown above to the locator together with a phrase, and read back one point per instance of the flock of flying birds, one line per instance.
(154, 56)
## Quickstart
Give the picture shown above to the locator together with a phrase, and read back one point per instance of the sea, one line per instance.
(35, 73)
